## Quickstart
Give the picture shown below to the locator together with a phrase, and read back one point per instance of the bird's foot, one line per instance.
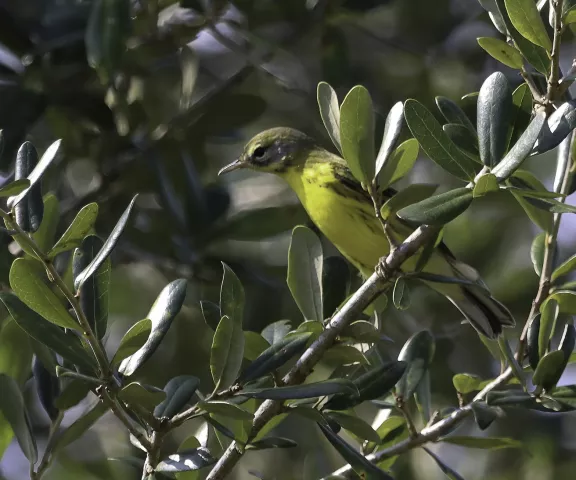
(383, 270)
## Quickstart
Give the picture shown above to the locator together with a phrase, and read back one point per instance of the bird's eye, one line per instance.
(259, 152)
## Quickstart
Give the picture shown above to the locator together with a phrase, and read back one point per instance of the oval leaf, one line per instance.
(357, 133)
(399, 163)
(330, 112)
(502, 52)
(305, 263)
(392, 129)
(439, 209)
(81, 226)
(179, 392)
(549, 370)
(494, 112)
(526, 18)
(133, 340)
(436, 143)
(26, 276)
(227, 352)
(417, 352)
(308, 390)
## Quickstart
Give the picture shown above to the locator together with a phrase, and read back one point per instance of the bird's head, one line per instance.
(273, 151)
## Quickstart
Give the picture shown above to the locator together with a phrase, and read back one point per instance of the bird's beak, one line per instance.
(235, 165)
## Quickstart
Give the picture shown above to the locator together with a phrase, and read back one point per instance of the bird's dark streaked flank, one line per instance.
(344, 212)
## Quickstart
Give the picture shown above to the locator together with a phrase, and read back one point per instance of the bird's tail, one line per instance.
(486, 314)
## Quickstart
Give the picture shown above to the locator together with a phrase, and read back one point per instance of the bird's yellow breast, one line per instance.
(348, 221)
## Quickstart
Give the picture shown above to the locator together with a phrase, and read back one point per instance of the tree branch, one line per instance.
(349, 312)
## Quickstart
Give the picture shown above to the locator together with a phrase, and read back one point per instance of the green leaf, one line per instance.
(401, 294)
(36, 174)
(94, 293)
(227, 352)
(254, 345)
(436, 143)
(525, 17)
(354, 425)
(360, 464)
(80, 426)
(47, 387)
(330, 112)
(501, 51)
(375, 383)
(413, 193)
(485, 184)
(26, 279)
(275, 356)
(66, 344)
(454, 114)
(423, 397)
(392, 129)
(537, 252)
(133, 340)
(211, 314)
(308, 390)
(464, 139)
(15, 352)
(550, 311)
(106, 35)
(357, 133)
(559, 125)
(570, 16)
(363, 331)
(276, 331)
(567, 266)
(532, 342)
(485, 415)
(521, 113)
(390, 431)
(565, 298)
(344, 355)
(162, 313)
(72, 394)
(417, 352)
(231, 296)
(399, 163)
(448, 471)
(520, 151)
(485, 443)
(549, 370)
(467, 383)
(305, 264)
(537, 56)
(439, 209)
(44, 236)
(494, 112)
(186, 461)
(13, 409)
(82, 225)
(226, 409)
(106, 249)
(542, 218)
(14, 188)
(136, 395)
(271, 442)
(179, 392)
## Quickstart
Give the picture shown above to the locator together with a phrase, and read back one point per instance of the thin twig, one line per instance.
(552, 88)
(47, 456)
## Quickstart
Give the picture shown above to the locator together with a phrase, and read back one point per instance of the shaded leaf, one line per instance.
(308, 390)
(275, 356)
(357, 133)
(485, 415)
(136, 394)
(80, 426)
(231, 296)
(567, 266)
(189, 66)
(448, 471)
(13, 409)
(464, 139)
(276, 331)
(106, 249)
(436, 143)
(549, 370)
(357, 461)
(413, 193)
(211, 314)
(452, 112)
(354, 425)
(532, 340)
(330, 112)
(47, 387)
(72, 394)
(537, 252)
(179, 392)
(550, 311)
(485, 443)
(521, 113)
(227, 352)
(271, 442)
(344, 355)
(305, 265)
(439, 209)
(417, 352)
(133, 340)
(226, 409)
(335, 284)
(44, 236)
(66, 344)
(401, 294)
(254, 345)
(163, 311)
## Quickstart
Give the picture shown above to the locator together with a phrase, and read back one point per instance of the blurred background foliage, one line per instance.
(170, 94)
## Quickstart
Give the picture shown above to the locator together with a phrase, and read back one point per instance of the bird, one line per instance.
(344, 212)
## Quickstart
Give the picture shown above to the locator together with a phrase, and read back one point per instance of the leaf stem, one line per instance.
(552, 89)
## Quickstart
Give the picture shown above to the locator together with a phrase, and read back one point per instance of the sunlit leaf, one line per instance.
(525, 17)
(485, 443)
(501, 51)
(227, 352)
(399, 163)
(417, 352)
(186, 461)
(133, 340)
(392, 130)
(81, 226)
